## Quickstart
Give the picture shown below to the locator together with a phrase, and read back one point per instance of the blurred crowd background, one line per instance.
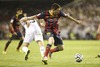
(88, 11)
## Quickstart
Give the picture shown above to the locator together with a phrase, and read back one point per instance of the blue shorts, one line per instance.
(18, 36)
(57, 38)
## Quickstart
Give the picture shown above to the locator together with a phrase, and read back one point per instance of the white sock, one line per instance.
(42, 50)
(25, 49)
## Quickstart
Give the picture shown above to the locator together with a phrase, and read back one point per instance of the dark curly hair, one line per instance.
(55, 6)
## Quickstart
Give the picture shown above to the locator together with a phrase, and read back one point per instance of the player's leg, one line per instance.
(42, 49)
(21, 40)
(51, 41)
(26, 50)
(56, 49)
(7, 44)
(59, 45)
(48, 47)
(39, 40)
(28, 38)
(19, 45)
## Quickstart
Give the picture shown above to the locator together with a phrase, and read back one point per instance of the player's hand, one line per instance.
(79, 22)
(14, 33)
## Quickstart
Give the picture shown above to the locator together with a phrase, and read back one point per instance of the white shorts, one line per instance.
(32, 32)
(29, 37)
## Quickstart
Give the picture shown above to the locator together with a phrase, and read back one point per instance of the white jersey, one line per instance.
(33, 27)
(32, 31)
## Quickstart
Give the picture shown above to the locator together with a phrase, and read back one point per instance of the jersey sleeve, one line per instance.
(41, 15)
(63, 14)
(12, 20)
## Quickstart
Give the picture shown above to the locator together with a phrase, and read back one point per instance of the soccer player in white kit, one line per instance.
(32, 31)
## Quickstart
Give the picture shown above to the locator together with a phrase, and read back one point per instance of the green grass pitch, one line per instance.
(65, 58)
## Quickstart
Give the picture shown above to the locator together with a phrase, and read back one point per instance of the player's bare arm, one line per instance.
(24, 19)
(12, 29)
(77, 21)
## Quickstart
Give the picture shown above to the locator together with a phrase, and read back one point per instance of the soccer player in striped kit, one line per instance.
(52, 31)
(14, 28)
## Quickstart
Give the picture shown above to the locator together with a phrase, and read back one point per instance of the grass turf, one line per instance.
(88, 48)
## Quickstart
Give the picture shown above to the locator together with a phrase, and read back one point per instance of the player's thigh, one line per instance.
(60, 47)
(38, 37)
(58, 40)
(28, 38)
(19, 35)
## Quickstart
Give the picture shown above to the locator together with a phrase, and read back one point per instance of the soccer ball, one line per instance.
(99, 55)
(78, 57)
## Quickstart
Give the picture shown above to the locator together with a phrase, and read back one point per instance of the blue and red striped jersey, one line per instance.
(51, 21)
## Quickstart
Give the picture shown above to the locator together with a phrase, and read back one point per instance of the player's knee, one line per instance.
(61, 48)
(25, 44)
(51, 42)
(21, 40)
(9, 41)
(38, 41)
(49, 45)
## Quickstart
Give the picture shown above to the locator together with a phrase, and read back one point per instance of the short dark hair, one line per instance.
(19, 9)
(55, 6)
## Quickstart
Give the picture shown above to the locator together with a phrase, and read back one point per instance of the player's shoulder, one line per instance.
(14, 16)
(45, 12)
(61, 11)
(12, 19)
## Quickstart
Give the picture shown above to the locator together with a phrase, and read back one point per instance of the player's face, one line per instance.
(55, 12)
(19, 12)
